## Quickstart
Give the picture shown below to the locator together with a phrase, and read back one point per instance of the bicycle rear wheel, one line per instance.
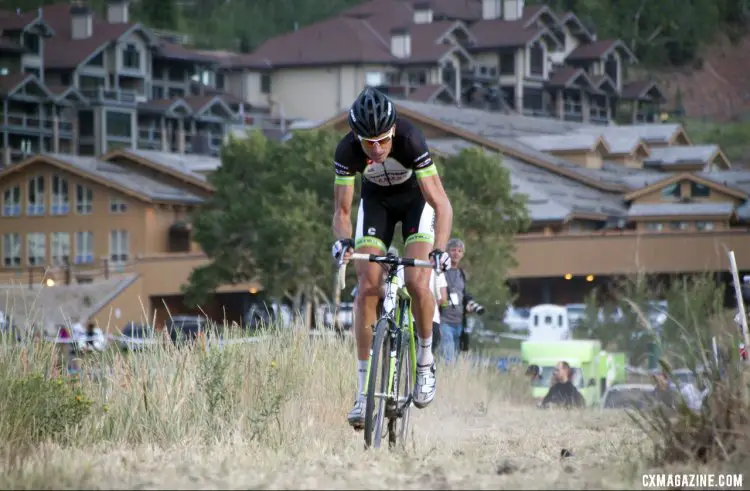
(377, 384)
(398, 426)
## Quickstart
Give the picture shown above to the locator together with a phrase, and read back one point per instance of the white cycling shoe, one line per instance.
(425, 386)
(356, 416)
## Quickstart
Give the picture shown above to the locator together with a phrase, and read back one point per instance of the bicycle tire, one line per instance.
(398, 427)
(379, 371)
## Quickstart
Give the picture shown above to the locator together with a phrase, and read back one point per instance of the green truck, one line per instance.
(582, 355)
(611, 369)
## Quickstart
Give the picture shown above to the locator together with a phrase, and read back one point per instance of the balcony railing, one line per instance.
(27, 122)
(628, 252)
(121, 96)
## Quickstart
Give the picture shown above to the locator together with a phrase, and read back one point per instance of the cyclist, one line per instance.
(400, 183)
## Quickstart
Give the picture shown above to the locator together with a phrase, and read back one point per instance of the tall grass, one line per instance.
(277, 395)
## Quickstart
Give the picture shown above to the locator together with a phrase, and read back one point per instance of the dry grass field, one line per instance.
(273, 416)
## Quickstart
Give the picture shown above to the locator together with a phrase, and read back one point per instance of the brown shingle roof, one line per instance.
(640, 89)
(63, 51)
(334, 40)
(14, 81)
(498, 33)
(10, 21)
(174, 51)
(598, 50)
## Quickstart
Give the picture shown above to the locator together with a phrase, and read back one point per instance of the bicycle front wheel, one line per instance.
(398, 427)
(377, 384)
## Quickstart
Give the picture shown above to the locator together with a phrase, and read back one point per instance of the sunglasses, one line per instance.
(370, 142)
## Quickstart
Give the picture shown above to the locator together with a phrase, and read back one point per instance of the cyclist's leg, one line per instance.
(373, 234)
(418, 230)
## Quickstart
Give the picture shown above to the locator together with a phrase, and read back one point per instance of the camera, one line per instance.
(474, 307)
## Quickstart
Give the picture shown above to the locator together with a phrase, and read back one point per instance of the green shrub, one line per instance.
(36, 408)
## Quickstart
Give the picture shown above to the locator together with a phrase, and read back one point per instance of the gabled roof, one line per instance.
(173, 107)
(66, 52)
(10, 84)
(603, 83)
(201, 104)
(135, 185)
(65, 95)
(167, 163)
(575, 143)
(499, 33)
(598, 50)
(650, 133)
(643, 90)
(565, 77)
(699, 155)
(17, 21)
(674, 178)
(431, 93)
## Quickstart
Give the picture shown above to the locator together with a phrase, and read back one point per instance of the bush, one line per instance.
(36, 408)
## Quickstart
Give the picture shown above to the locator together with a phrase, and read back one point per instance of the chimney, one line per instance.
(422, 13)
(81, 20)
(491, 9)
(400, 42)
(513, 9)
(118, 11)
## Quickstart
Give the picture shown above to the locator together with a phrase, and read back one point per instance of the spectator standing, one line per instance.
(453, 314)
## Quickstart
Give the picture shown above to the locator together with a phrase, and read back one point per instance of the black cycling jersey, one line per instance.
(409, 159)
(390, 193)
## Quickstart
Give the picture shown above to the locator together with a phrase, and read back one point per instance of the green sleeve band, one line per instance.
(344, 180)
(427, 172)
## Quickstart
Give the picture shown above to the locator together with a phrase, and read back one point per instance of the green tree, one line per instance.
(159, 14)
(269, 218)
(486, 215)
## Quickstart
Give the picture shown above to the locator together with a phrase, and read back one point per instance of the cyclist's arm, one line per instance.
(442, 285)
(432, 189)
(343, 195)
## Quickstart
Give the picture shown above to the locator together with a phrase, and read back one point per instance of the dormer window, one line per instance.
(131, 57)
(610, 68)
(536, 59)
(31, 42)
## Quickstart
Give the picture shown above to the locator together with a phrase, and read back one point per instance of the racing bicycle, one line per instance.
(392, 369)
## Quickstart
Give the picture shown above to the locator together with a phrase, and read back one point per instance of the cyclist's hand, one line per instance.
(343, 246)
(441, 261)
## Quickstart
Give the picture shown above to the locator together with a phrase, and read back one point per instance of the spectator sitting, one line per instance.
(563, 392)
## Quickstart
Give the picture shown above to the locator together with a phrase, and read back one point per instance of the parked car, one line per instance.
(517, 318)
(136, 336)
(184, 329)
(628, 396)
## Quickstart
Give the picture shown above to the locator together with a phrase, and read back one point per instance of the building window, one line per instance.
(610, 68)
(673, 191)
(157, 92)
(84, 200)
(704, 226)
(679, 225)
(536, 59)
(698, 190)
(60, 242)
(118, 246)
(87, 82)
(117, 205)
(11, 250)
(131, 57)
(507, 63)
(35, 197)
(12, 202)
(36, 249)
(654, 226)
(373, 79)
(31, 42)
(84, 248)
(175, 92)
(31, 70)
(265, 83)
(119, 124)
(220, 81)
(60, 204)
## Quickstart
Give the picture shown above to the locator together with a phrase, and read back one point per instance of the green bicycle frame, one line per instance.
(402, 309)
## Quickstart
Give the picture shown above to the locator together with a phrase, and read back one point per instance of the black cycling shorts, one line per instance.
(378, 215)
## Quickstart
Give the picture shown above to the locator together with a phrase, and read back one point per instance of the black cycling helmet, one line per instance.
(371, 114)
